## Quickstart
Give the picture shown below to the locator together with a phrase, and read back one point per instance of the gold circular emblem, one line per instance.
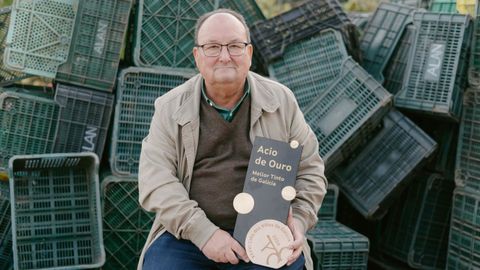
(294, 144)
(267, 243)
(243, 203)
(288, 193)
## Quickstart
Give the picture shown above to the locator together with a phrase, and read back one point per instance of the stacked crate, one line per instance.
(335, 246)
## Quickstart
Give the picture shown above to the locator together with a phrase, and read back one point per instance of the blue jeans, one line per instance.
(169, 253)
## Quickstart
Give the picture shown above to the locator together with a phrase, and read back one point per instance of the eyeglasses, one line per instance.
(214, 49)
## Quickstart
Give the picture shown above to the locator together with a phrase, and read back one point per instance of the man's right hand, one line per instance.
(223, 248)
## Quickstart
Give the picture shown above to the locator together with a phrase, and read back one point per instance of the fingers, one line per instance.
(231, 257)
(240, 251)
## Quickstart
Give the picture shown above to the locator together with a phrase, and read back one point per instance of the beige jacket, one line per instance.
(169, 150)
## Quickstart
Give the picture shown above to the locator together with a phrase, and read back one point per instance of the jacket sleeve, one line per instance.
(311, 182)
(160, 189)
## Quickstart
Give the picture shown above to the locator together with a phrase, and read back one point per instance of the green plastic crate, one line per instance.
(416, 228)
(397, 64)
(381, 169)
(136, 93)
(446, 6)
(328, 211)
(7, 76)
(56, 214)
(84, 118)
(125, 224)
(435, 76)
(349, 109)
(248, 8)
(464, 242)
(412, 3)
(381, 36)
(28, 125)
(474, 71)
(335, 246)
(39, 35)
(310, 65)
(165, 31)
(6, 255)
(97, 42)
(467, 167)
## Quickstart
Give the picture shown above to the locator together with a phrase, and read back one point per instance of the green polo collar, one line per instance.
(224, 112)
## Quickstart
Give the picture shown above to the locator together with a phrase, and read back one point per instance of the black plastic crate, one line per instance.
(83, 121)
(463, 251)
(335, 246)
(379, 172)
(381, 36)
(397, 64)
(137, 90)
(97, 42)
(417, 226)
(310, 65)
(272, 36)
(349, 110)
(435, 74)
(467, 165)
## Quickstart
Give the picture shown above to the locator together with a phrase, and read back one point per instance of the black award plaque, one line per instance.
(264, 204)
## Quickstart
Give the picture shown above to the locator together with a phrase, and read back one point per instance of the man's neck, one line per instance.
(226, 96)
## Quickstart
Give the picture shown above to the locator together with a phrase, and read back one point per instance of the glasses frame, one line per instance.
(221, 47)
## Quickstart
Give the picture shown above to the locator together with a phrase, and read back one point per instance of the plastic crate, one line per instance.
(309, 66)
(165, 32)
(248, 8)
(328, 210)
(335, 246)
(463, 245)
(136, 93)
(412, 3)
(28, 125)
(99, 35)
(6, 255)
(7, 76)
(83, 121)
(374, 177)
(272, 36)
(56, 214)
(39, 35)
(467, 167)
(474, 71)
(126, 224)
(397, 64)
(446, 6)
(360, 19)
(434, 78)
(351, 106)
(416, 228)
(381, 36)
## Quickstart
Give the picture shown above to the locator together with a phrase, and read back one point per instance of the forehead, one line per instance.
(222, 27)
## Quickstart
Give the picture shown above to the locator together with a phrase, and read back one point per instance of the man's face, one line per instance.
(222, 28)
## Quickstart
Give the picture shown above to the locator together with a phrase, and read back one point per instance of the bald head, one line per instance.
(202, 19)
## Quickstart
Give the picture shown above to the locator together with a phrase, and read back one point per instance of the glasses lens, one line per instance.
(236, 48)
(212, 49)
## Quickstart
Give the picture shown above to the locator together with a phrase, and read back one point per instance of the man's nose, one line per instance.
(224, 54)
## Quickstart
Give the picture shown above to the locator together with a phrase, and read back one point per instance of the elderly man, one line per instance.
(195, 157)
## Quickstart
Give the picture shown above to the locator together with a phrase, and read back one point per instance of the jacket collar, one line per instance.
(262, 98)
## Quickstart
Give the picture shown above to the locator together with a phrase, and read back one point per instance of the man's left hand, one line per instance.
(298, 237)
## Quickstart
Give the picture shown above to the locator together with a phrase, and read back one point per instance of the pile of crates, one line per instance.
(393, 97)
